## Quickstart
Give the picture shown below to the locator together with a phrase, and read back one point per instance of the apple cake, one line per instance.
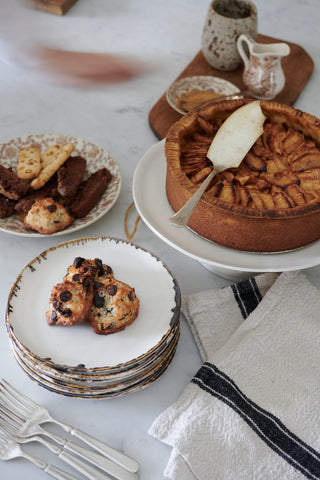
(271, 202)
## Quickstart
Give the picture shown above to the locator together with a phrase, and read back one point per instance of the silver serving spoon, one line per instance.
(229, 147)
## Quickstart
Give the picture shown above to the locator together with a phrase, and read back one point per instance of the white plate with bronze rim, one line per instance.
(62, 347)
(179, 95)
(96, 158)
(81, 373)
(83, 377)
(89, 392)
(149, 189)
(97, 389)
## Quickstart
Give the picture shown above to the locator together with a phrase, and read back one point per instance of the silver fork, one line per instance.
(23, 431)
(9, 449)
(39, 414)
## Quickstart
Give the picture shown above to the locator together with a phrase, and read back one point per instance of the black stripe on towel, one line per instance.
(247, 296)
(269, 428)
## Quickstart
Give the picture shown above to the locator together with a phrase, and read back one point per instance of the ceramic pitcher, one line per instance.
(263, 73)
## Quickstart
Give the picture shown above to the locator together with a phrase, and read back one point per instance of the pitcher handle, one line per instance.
(244, 38)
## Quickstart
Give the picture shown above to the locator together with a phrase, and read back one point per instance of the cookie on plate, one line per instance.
(29, 162)
(89, 193)
(83, 267)
(47, 216)
(70, 176)
(11, 186)
(48, 190)
(53, 166)
(50, 154)
(70, 302)
(6, 206)
(115, 306)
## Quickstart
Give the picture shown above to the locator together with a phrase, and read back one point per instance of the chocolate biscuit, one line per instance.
(70, 176)
(11, 186)
(48, 190)
(89, 193)
(6, 206)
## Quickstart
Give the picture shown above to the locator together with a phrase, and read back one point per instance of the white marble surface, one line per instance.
(166, 35)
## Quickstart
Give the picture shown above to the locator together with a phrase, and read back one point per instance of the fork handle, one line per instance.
(90, 456)
(123, 460)
(117, 457)
(55, 472)
(100, 461)
(82, 467)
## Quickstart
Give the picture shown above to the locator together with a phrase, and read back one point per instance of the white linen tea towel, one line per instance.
(252, 411)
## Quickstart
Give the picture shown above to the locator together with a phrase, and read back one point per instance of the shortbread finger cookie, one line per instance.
(53, 166)
(29, 163)
(69, 303)
(115, 306)
(50, 154)
(47, 216)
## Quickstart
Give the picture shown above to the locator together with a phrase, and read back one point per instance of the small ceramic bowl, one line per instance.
(189, 92)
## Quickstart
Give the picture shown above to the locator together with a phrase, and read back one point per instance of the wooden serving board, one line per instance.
(58, 7)
(297, 67)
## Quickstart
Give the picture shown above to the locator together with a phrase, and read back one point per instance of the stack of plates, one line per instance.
(74, 361)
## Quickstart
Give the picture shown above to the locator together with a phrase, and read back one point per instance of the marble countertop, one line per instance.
(166, 36)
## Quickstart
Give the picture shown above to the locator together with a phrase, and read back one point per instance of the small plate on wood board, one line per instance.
(190, 92)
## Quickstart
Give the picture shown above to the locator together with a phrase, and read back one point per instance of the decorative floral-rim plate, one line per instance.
(198, 82)
(155, 286)
(96, 158)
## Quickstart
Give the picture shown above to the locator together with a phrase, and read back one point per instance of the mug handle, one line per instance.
(244, 38)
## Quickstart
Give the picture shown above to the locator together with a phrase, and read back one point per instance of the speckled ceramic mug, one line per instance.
(225, 21)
